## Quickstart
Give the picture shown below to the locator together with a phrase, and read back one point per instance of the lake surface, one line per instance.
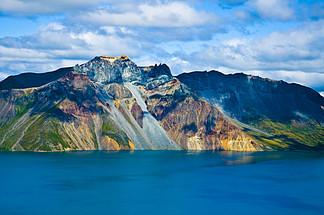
(162, 182)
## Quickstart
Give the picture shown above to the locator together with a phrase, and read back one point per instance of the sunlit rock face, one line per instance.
(109, 103)
(193, 123)
(106, 70)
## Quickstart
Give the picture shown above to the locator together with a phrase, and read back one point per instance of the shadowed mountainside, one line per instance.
(275, 113)
(28, 80)
(241, 95)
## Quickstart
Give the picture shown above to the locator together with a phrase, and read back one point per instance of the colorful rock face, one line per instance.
(276, 114)
(109, 103)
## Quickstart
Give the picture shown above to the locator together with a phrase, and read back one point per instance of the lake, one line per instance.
(162, 182)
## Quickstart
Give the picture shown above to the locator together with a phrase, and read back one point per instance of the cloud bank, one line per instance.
(270, 38)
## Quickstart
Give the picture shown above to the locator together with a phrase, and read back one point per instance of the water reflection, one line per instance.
(236, 158)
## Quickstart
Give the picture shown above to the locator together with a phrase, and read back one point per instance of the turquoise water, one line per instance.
(162, 182)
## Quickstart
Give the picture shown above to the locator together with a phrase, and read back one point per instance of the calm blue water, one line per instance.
(162, 182)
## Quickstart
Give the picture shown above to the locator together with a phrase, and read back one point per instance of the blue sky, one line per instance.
(278, 39)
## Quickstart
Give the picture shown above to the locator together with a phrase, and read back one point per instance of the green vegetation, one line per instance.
(11, 129)
(28, 92)
(110, 129)
(290, 135)
(13, 134)
(45, 134)
(94, 135)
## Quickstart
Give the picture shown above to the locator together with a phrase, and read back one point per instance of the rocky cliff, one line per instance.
(276, 114)
(109, 103)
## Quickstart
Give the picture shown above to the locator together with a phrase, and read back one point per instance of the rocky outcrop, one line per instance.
(193, 123)
(109, 103)
(200, 127)
(244, 96)
(276, 114)
(107, 70)
(137, 113)
(117, 91)
(65, 115)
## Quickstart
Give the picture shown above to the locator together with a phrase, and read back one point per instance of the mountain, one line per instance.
(275, 114)
(110, 103)
(27, 80)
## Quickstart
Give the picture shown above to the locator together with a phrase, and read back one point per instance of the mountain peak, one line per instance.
(106, 70)
(112, 59)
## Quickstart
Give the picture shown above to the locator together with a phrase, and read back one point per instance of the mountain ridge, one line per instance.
(30, 79)
(230, 81)
(110, 103)
(292, 114)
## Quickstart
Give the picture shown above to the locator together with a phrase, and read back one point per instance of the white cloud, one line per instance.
(54, 26)
(3, 75)
(297, 49)
(273, 9)
(243, 15)
(171, 32)
(51, 48)
(311, 79)
(295, 55)
(44, 7)
(170, 14)
(59, 43)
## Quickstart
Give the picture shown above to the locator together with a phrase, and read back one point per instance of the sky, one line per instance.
(277, 39)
